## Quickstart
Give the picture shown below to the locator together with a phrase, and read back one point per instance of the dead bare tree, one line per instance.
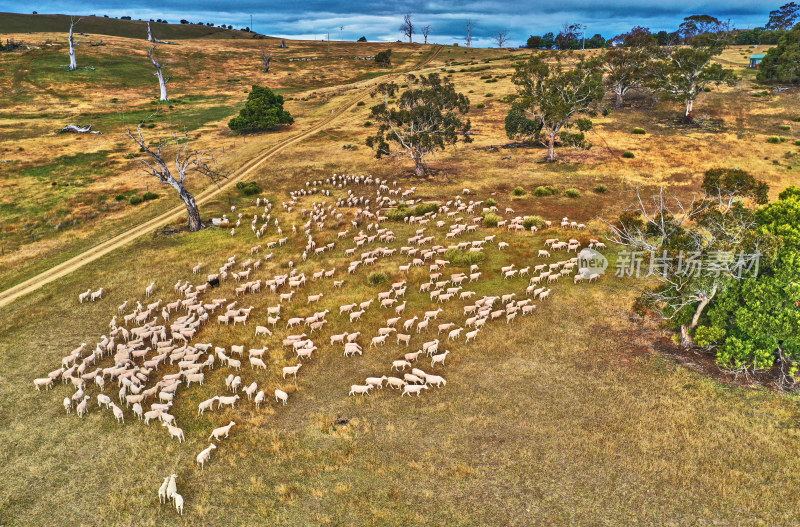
(407, 27)
(153, 161)
(283, 44)
(162, 82)
(150, 33)
(501, 38)
(266, 58)
(73, 65)
(426, 30)
(470, 27)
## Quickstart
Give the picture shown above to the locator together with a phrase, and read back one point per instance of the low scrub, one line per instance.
(533, 221)
(600, 189)
(149, 196)
(490, 219)
(518, 191)
(377, 278)
(628, 155)
(638, 131)
(544, 191)
(461, 258)
(572, 193)
(250, 188)
(403, 211)
(135, 200)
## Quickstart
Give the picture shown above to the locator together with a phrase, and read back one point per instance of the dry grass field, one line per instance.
(575, 415)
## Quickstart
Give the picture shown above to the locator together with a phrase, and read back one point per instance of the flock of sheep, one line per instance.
(153, 352)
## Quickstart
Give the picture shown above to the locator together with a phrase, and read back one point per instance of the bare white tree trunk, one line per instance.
(150, 33)
(73, 65)
(267, 59)
(162, 84)
(426, 31)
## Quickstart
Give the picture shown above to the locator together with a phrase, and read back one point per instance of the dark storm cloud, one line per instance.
(381, 20)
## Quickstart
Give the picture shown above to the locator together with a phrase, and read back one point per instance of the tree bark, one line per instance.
(149, 33)
(689, 109)
(73, 65)
(551, 148)
(686, 337)
(162, 84)
(618, 103)
(419, 165)
(192, 210)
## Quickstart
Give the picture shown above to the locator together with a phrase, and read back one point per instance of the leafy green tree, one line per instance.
(554, 95)
(698, 249)
(520, 127)
(362, 39)
(384, 58)
(688, 70)
(782, 63)
(548, 40)
(754, 324)
(695, 25)
(627, 68)
(263, 111)
(784, 17)
(424, 118)
(535, 42)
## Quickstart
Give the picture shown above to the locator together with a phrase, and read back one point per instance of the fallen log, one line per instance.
(75, 129)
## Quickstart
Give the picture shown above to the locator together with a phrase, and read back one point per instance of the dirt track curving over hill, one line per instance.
(92, 254)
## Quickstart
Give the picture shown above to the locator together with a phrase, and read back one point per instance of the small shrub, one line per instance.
(707, 89)
(796, 119)
(628, 155)
(519, 191)
(120, 197)
(135, 200)
(533, 221)
(490, 94)
(490, 219)
(774, 140)
(544, 191)
(572, 193)
(377, 278)
(250, 188)
(600, 189)
(402, 211)
(490, 202)
(638, 131)
(797, 143)
(480, 106)
(360, 103)
(131, 155)
(461, 258)
(114, 99)
(149, 196)
(785, 127)
(367, 123)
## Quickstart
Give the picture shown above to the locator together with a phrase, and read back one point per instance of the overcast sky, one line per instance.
(380, 20)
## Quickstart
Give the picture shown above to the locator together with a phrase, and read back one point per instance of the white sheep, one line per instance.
(281, 396)
(400, 365)
(82, 407)
(255, 362)
(162, 491)
(174, 431)
(435, 380)
(46, 382)
(291, 370)
(219, 433)
(68, 404)
(118, 413)
(203, 456)
(395, 383)
(376, 381)
(360, 389)
(103, 399)
(227, 401)
(84, 296)
(206, 405)
(178, 503)
(259, 398)
(408, 389)
(97, 294)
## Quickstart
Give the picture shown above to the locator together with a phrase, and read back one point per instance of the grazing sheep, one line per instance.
(255, 362)
(435, 380)
(408, 389)
(46, 382)
(400, 365)
(68, 404)
(172, 487)
(263, 331)
(360, 389)
(204, 455)
(376, 381)
(179, 499)
(259, 398)
(83, 406)
(118, 413)
(413, 379)
(235, 364)
(222, 431)
(162, 491)
(251, 390)
(230, 400)
(291, 370)
(543, 254)
(174, 431)
(103, 399)
(282, 396)
(395, 383)
(84, 296)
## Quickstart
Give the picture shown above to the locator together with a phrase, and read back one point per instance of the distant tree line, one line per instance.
(572, 37)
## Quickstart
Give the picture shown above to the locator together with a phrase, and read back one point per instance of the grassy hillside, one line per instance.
(99, 25)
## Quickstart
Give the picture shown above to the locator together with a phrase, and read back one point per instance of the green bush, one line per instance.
(149, 196)
(250, 188)
(402, 211)
(490, 94)
(480, 106)
(135, 200)
(628, 155)
(774, 140)
(638, 131)
(600, 189)
(490, 219)
(360, 103)
(572, 193)
(519, 191)
(120, 197)
(461, 258)
(490, 202)
(131, 155)
(785, 127)
(796, 119)
(797, 143)
(384, 58)
(262, 111)
(533, 221)
(367, 123)
(544, 191)
(377, 278)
